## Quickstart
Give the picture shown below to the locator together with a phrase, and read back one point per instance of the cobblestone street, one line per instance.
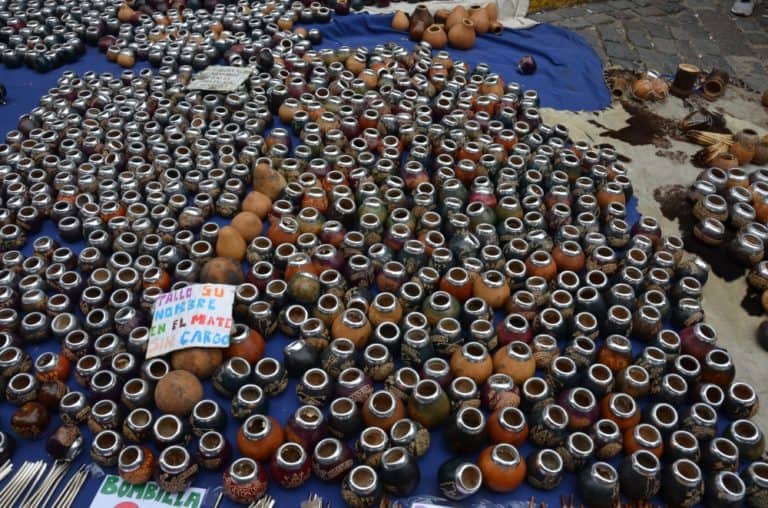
(659, 34)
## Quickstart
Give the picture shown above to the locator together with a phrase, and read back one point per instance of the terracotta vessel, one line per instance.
(725, 161)
(479, 17)
(400, 21)
(456, 16)
(492, 10)
(441, 16)
(435, 36)
(462, 35)
(745, 143)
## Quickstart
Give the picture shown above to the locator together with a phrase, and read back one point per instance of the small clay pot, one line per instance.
(258, 203)
(222, 270)
(479, 17)
(230, 244)
(456, 16)
(725, 161)
(744, 145)
(248, 224)
(462, 35)
(435, 36)
(178, 392)
(400, 21)
(199, 361)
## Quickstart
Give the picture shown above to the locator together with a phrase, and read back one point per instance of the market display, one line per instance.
(435, 261)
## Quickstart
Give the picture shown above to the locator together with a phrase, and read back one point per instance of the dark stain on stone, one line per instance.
(677, 156)
(674, 205)
(752, 303)
(643, 127)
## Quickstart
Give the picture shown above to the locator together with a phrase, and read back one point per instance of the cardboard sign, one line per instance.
(199, 315)
(115, 493)
(220, 78)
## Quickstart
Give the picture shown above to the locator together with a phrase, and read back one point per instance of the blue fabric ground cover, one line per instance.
(569, 76)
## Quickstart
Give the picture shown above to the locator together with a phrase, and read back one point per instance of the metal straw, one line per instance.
(264, 502)
(29, 473)
(71, 489)
(50, 484)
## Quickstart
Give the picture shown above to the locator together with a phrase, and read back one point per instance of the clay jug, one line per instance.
(417, 29)
(269, 181)
(492, 10)
(421, 13)
(441, 15)
(457, 14)
(435, 36)
(462, 35)
(400, 21)
(745, 142)
(479, 17)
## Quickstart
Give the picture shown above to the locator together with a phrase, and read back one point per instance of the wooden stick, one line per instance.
(531, 503)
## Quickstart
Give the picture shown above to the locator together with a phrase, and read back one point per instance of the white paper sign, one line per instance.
(220, 78)
(199, 315)
(115, 493)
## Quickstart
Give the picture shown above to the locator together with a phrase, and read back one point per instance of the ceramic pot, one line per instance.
(372, 443)
(175, 469)
(640, 475)
(331, 460)
(508, 425)
(400, 474)
(682, 445)
(306, 426)
(435, 35)
(740, 401)
(245, 481)
(400, 21)
(213, 451)
(457, 14)
(259, 437)
(621, 408)
(755, 478)
(744, 145)
(290, 466)
(30, 420)
(459, 479)
(748, 438)
(499, 391)
(682, 484)
(599, 485)
(700, 420)
(270, 375)
(382, 410)
(544, 469)
(344, 418)
(581, 406)
(720, 454)
(724, 490)
(472, 361)
(466, 430)
(502, 467)
(479, 17)
(515, 360)
(576, 452)
(428, 404)
(136, 465)
(462, 34)
(607, 438)
(410, 435)
(362, 488)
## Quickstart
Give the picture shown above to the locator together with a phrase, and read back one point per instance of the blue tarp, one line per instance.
(569, 76)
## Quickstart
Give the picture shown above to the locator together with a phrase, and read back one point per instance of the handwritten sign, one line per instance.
(116, 493)
(220, 78)
(199, 315)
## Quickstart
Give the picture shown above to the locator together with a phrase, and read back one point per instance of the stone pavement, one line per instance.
(659, 34)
